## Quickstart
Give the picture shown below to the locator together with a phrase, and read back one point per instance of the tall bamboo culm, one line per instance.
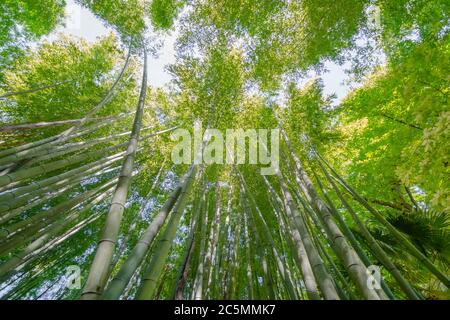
(99, 271)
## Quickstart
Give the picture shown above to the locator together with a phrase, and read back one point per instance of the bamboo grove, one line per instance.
(87, 178)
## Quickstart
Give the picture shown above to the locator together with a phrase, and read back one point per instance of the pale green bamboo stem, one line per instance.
(177, 292)
(26, 173)
(324, 281)
(25, 91)
(374, 246)
(49, 142)
(49, 167)
(300, 252)
(149, 281)
(197, 292)
(99, 271)
(53, 230)
(43, 124)
(400, 238)
(120, 281)
(21, 232)
(20, 205)
(345, 252)
(37, 185)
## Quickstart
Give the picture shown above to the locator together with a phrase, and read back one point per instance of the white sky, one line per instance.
(82, 23)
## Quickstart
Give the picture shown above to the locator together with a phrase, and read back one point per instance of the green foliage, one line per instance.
(213, 86)
(428, 229)
(280, 37)
(309, 115)
(85, 73)
(126, 16)
(402, 18)
(23, 20)
(401, 131)
(163, 12)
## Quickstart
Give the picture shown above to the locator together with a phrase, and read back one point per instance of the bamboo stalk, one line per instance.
(99, 271)
(119, 282)
(399, 237)
(149, 281)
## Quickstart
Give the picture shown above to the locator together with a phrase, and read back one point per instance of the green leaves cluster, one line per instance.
(24, 20)
(83, 74)
(403, 136)
(127, 17)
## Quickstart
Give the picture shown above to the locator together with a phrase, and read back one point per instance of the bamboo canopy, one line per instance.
(320, 200)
